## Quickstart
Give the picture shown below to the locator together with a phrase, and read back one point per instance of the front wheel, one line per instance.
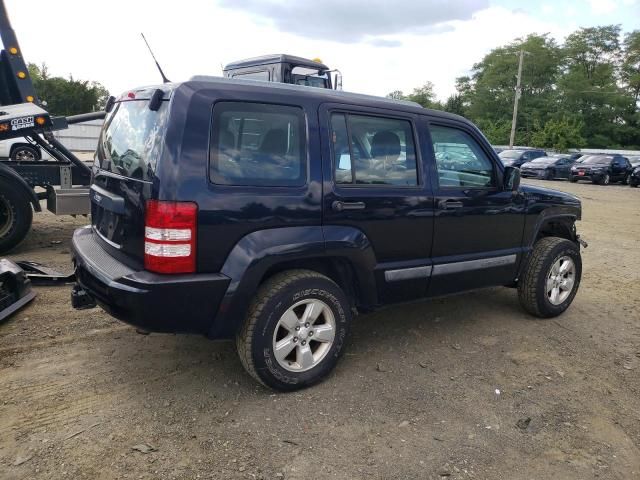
(627, 179)
(295, 330)
(551, 278)
(606, 180)
(573, 179)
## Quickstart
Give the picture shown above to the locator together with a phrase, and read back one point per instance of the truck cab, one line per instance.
(285, 69)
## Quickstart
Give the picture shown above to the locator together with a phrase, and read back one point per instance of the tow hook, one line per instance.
(581, 241)
(81, 299)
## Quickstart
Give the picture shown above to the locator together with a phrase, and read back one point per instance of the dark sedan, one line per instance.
(602, 169)
(549, 168)
(516, 158)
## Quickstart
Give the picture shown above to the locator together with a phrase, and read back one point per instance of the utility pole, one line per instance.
(515, 101)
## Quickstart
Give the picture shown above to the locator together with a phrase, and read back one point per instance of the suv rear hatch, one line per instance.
(128, 150)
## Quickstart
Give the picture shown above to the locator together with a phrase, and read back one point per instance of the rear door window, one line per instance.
(255, 144)
(373, 150)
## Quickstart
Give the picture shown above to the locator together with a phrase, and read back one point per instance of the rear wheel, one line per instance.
(606, 180)
(295, 330)
(16, 215)
(551, 278)
(573, 179)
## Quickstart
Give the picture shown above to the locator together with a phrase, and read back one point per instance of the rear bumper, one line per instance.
(594, 177)
(153, 302)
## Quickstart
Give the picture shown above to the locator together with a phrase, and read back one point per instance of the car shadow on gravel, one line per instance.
(192, 364)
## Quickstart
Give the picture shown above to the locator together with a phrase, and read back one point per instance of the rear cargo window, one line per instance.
(257, 144)
(130, 142)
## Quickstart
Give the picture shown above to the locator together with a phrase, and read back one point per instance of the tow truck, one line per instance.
(63, 181)
(286, 69)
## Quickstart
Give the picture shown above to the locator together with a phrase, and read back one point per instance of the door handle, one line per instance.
(339, 206)
(449, 204)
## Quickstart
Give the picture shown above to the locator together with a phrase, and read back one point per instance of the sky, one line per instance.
(378, 45)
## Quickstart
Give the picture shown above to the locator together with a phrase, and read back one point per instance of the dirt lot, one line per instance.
(441, 389)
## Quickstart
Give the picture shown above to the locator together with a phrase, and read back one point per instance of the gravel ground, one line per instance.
(461, 387)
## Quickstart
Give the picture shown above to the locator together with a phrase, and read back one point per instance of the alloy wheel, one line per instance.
(24, 155)
(561, 280)
(304, 335)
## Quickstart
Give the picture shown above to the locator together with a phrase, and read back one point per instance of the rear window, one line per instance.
(256, 144)
(130, 142)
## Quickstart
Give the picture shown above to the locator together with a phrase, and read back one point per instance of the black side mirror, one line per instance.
(511, 179)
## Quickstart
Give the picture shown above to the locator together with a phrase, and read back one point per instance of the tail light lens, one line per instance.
(170, 237)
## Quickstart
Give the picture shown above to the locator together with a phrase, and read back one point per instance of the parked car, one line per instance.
(602, 169)
(634, 179)
(555, 166)
(516, 158)
(19, 149)
(269, 214)
(634, 160)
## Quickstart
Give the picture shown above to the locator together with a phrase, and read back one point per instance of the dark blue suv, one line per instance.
(271, 214)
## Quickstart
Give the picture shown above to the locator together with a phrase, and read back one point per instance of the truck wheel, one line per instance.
(15, 215)
(551, 277)
(295, 330)
(23, 153)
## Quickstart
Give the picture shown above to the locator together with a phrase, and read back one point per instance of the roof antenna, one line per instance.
(164, 78)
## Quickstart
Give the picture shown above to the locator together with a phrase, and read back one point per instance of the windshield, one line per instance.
(510, 154)
(595, 159)
(310, 77)
(546, 160)
(130, 142)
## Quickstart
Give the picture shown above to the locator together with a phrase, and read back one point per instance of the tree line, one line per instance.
(67, 96)
(582, 93)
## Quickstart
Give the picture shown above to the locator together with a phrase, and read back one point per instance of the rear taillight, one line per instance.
(170, 237)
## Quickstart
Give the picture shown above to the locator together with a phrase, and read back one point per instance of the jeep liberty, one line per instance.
(271, 214)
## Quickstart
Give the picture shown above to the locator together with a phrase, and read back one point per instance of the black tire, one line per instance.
(16, 215)
(606, 180)
(255, 341)
(532, 286)
(25, 152)
(627, 179)
(573, 179)
(633, 184)
(549, 175)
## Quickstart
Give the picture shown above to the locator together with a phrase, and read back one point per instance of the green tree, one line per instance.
(631, 65)
(396, 95)
(497, 132)
(424, 95)
(455, 104)
(488, 93)
(67, 96)
(589, 86)
(559, 135)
